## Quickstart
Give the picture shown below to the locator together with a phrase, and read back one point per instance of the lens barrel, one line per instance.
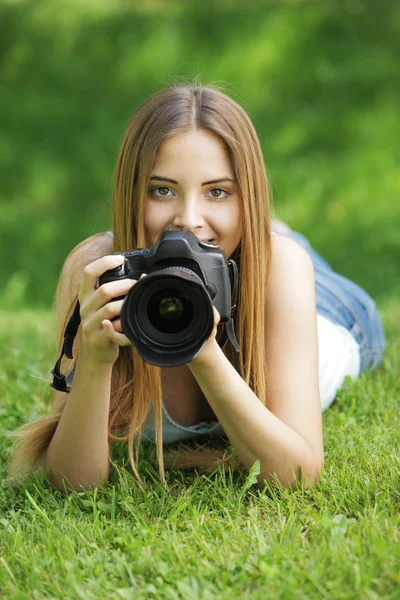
(168, 316)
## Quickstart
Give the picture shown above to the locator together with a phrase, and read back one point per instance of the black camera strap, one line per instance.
(59, 380)
(229, 330)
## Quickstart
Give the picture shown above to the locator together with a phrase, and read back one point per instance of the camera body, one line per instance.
(180, 249)
(168, 314)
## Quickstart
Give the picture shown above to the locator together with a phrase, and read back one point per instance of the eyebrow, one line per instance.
(220, 180)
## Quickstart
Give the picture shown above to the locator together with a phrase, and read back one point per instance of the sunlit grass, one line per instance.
(322, 88)
(212, 535)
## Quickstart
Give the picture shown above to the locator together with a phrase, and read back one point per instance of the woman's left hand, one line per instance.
(210, 344)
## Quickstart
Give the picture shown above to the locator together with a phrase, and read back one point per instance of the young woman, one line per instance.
(190, 158)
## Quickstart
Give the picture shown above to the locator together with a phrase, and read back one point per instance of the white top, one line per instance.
(339, 356)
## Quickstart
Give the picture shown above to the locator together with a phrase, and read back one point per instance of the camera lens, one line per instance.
(170, 311)
(168, 316)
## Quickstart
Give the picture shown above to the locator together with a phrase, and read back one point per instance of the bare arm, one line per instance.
(78, 451)
(288, 434)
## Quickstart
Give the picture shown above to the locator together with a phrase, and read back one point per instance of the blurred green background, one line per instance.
(320, 79)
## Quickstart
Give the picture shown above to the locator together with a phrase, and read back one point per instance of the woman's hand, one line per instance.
(102, 337)
(210, 345)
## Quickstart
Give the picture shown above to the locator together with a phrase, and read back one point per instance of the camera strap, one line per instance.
(59, 380)
(229, 330)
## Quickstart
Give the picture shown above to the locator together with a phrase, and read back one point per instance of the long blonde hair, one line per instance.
(168, 112)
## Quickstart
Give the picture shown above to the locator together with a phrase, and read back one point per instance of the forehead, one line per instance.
(198, 149)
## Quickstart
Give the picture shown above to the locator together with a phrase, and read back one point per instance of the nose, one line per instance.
(188, 215)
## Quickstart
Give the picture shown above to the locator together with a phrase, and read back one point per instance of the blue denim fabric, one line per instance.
(347, 304)
(173, 432)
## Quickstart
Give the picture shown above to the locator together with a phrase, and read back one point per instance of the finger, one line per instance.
(117, 325)
(113, 289)
(93, 270)
(118, 338)
(111, 310)
(103, 297)
(92, 318)
(217, 316)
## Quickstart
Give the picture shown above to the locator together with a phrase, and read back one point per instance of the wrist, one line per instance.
(92, 365)
(206, 357)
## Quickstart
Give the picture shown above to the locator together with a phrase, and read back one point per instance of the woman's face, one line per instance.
(192, 185)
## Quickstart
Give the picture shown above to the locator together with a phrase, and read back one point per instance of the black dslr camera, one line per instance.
(168, 315)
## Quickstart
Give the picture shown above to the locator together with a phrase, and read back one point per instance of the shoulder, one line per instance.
(284, 248)
(87, 251)
(71, 275)
(93, 247)
(291, 268)
(290, 303)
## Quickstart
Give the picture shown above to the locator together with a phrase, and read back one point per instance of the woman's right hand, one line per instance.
(101, 338)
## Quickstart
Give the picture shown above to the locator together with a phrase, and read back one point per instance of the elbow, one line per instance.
(311, 479)
(67, 487)
(301, 477)
(316, 472)
(309, 476)
(67, 480)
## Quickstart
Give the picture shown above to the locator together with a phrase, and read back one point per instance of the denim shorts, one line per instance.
(345, 303)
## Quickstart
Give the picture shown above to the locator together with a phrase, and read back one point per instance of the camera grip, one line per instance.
(112, 275)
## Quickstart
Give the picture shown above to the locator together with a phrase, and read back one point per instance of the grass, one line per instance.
(207, 536)
(320, 81)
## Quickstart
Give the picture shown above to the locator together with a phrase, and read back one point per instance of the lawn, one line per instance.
(320, 82)
(207, 536)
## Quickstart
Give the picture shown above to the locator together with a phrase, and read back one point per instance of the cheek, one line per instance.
(149, 225)
(148, 213)
(231, 220)
(153, 215)
(156, 219)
